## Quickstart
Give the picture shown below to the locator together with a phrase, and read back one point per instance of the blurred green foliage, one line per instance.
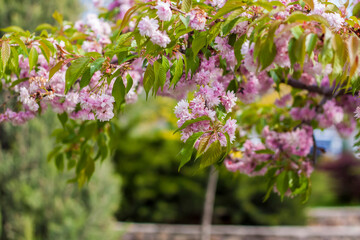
(28, 14)
(36, 202)
(154, 191)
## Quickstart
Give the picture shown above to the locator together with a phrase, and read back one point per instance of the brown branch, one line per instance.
(328, 92)
(172, 7)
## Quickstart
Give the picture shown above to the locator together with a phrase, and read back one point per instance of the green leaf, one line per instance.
(265, 151)
(89, 71)
(76, 69)
(300, 50)
(157, 67)
(49, 45)
(55, 69)
(192, 61)
(149, 79)
(33, 58)
(58, 17)
(63, 117)
(53, 152)
(129, 83)
(96, 65)
(311, 40)
(212, 155)
(162, 77)
(228, 143)
(59, 162)
(298, 16)
(12, 29)
(185, 20)
(294, 181)
(85, 78)
(282, 183)
(229, 6)
(297, 31)
(118, 91)
(310, 3)
(356, 10)
(186, 5)
(45, 51)
(44, 26)
(188, 122)
(237, 50)
(21, 44)
(14, 61)
(203, 144)
(178, 71)
(291, 51)
(165, 63)
(90, 168)
(5, 53)
(199, 42)
(187, 150)
(268, 54)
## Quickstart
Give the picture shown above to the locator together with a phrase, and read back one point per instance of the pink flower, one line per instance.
(229, 100)
(282, 101)
(160, 38)
(357, 112)
(147, 26)
(333, 114)
(229, 128)
(27, 100)
(163, 11)
(197, 18)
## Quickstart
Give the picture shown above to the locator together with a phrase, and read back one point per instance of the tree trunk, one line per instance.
(209, 204)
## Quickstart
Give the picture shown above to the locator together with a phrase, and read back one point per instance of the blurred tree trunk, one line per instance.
(209, 204)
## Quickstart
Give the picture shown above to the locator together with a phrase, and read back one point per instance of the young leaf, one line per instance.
(14, 61)
(55, 68)
(33, 58)
(21, 45)
(76, 69)
(12, 29)
(5, 53)
(58, 17)
(203, 144)
(185, 20)
(212, 155)
(45, 51)
(186, 5)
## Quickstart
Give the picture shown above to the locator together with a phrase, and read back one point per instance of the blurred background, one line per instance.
(140, 182)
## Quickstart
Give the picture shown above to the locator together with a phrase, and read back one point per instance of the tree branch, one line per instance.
(326, 91)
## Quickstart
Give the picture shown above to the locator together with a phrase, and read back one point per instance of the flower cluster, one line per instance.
(149, 27)
(223, 65)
